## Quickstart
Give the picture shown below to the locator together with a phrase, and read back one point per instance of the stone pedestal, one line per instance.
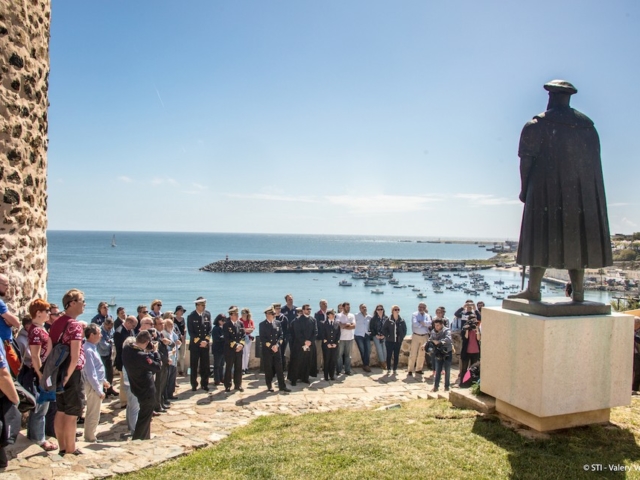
(556, 372)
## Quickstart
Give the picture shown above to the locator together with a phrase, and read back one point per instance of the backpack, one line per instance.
(55, 365)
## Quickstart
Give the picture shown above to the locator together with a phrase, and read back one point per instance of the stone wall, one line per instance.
(24, 79)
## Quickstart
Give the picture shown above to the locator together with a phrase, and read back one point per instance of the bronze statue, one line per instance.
(564, 224)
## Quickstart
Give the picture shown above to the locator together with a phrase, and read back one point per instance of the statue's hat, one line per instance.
(560, 86)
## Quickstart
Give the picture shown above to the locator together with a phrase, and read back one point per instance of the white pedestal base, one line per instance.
(556, 372)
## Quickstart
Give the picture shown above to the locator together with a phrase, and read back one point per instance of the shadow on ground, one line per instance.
(583, 452)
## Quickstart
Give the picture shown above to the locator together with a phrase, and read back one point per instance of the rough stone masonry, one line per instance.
(24, 79)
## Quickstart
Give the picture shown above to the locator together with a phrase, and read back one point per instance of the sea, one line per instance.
(144, 266)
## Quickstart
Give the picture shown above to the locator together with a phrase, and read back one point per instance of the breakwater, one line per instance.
(319, 266)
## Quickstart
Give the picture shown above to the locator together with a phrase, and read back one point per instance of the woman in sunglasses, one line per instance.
(375, 327)
(394, 330)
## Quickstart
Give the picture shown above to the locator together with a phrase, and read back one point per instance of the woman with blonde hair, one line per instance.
(394, 330)
(249, 327)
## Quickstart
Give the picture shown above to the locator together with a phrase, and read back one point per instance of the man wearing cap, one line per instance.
(199, 327)
(270, 332)
(330, 335)
(564, 223)
(234, 338)
(180, 328)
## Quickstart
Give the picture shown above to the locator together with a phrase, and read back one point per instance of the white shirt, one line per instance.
(343, 319)
(362, 324)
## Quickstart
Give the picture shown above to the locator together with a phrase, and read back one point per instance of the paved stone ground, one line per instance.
(200, 419)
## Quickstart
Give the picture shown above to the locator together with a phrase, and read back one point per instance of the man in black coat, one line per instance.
(233, 344)
(330, 336)
(271, 337)
(303, 335)
(199, 327)
(123, 332)
(141, 361)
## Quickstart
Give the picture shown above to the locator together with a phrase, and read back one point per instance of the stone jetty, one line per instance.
(270, 266)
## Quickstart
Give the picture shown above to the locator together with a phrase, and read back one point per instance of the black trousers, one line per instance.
(272, 362)
(330, 357)
(635, 385)
(233, 360)
(393, 349)
(143, 425)
(108, 368)
(161, 384)
(170, 389)
(199, 356)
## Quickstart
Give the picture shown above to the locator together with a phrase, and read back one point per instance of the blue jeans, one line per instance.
(344, 350)
(37, 422)
(441, 363)
(381, 348)
(364, 346)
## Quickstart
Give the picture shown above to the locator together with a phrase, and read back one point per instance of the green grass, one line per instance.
(423, 439)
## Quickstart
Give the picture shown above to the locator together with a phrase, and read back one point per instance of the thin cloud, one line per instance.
(486, 199)
(618, 204)
(628, 222)
(164, 181)
(125, 179)
(274, 198)
(159, 97)
(199, 187)
(371, 204)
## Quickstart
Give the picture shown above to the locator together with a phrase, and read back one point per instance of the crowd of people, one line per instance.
(67, 365)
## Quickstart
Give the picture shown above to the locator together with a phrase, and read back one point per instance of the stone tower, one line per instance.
(24, 79)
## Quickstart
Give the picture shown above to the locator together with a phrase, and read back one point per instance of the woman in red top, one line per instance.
(68, 331)
(249, 327)
(40, 347)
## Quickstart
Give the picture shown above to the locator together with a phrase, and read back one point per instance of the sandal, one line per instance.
(48, 446)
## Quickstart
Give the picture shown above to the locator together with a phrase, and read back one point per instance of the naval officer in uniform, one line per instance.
(199, 327)
(233, 344)
(271, 336)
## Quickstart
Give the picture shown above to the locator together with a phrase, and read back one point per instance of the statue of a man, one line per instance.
(564, 224)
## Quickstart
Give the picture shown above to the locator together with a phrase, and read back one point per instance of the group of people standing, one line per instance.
(149, 352)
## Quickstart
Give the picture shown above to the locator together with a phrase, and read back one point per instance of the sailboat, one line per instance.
(112, 302)
(113, 241)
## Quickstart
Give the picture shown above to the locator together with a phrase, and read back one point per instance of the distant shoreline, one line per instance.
(333, 265)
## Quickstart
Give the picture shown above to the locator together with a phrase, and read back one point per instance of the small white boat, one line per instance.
(113, 241)
(394, 281)
(377, 291)
(422, 295)
(415, 289)
(112, 302)
(345, 283)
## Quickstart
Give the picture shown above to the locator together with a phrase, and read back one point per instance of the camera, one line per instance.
(440, 350)
(471, 324)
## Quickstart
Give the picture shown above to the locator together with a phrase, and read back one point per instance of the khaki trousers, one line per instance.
(416, 354)
(92, 413)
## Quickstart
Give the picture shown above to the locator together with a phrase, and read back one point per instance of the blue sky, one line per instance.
(360, 117)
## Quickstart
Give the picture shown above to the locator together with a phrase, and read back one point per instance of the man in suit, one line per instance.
(270, 333)
(320, 317)
(233, 344)
(199, 327)
(330, 337)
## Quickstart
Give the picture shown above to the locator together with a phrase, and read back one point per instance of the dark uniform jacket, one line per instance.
(233, 334)
(320, 319)
(330, 334)
(140, 366)
(287, 316)
(199, 327)
(270, 334)
(119, 336)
